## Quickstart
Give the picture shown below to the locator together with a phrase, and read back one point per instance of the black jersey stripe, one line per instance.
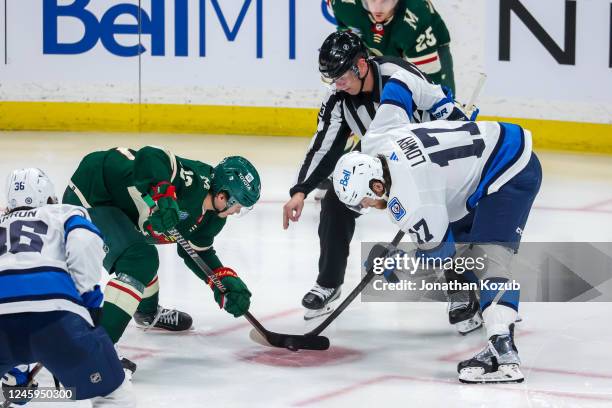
(320, 137)
(353, 112)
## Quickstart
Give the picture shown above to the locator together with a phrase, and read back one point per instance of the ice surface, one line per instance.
(404, 354)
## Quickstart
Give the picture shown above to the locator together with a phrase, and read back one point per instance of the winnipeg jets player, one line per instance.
(447, 182)
(358, 82)
(50, 265)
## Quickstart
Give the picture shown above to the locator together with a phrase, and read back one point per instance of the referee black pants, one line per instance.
(336, 228)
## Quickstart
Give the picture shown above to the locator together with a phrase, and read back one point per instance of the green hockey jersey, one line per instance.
(414, 32)
(122, 177)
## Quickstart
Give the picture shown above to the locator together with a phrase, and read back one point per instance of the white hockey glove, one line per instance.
(449, 109)
(17, 377)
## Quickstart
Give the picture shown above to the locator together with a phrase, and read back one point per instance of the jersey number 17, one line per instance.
(443, 157)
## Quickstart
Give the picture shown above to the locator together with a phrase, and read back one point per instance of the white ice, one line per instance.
(404, 354)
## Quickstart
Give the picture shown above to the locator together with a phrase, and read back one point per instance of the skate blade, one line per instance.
(162, 330)
(469, 325)
(506, 373)
(128, 374)
(314, 313)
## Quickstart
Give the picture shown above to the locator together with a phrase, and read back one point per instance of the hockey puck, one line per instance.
(290, 345)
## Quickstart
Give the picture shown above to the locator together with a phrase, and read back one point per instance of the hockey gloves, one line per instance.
(167, 213)
(237, 298)
(92, 300)
(461, 112)
(16, 378)
(381, 260)
(449, 109)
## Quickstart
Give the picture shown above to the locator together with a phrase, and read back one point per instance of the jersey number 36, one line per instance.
(21, 240)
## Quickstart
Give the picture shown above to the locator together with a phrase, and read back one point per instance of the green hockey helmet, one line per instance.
(239, 178)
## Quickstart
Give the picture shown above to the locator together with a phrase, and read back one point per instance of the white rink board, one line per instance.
(271, 60)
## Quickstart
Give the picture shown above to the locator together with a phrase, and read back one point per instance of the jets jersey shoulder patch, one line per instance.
(396, 208)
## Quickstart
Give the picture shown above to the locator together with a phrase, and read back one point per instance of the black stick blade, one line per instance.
(290, 341)
(295, 342)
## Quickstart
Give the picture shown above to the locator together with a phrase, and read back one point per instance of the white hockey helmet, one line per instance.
(29, 188)
(352, 176)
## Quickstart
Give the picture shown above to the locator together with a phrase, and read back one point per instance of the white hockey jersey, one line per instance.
(49, 257)
(439, 170)
(395, 81)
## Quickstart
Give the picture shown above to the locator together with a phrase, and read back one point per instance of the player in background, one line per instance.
(135, 197)
(50, 266)
(446, 183)
(359, 85)
(409, 29)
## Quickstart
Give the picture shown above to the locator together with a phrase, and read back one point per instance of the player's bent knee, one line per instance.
(139, 261)
(496, 283)
(136, 268)
(497, 261)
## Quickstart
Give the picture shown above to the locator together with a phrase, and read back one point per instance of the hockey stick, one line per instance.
(482, 77)
(364, 282)
(398, 237)
(292, 342)
(56, 382)
(31, 376)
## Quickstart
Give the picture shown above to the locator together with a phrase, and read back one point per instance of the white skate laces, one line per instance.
(458, 300)
(321, 291)
(318, 301)
(168, 316)
(464, 312)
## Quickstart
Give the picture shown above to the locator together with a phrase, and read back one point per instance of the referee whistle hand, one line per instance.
(292, 210)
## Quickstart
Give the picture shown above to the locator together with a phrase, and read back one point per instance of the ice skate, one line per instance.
(165, 319)
(464, 312)
(319, 301)
(498, 362)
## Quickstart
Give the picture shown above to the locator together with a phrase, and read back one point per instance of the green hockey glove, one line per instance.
(167, 214)
(237, 298)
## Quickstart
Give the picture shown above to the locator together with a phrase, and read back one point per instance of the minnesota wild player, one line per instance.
(410, 29)
(134, 197)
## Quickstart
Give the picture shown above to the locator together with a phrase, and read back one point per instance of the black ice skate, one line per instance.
(129, 367)
(166, 319)
(464, 311)
(318, 301)
(497, 363)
